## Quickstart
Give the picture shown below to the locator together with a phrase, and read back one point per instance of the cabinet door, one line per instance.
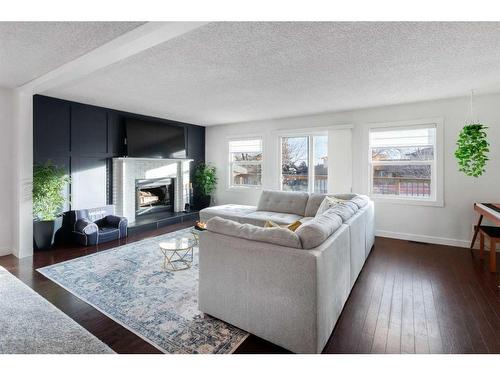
(51, 129)
(116, 135)
(89, 134)
(196, 143)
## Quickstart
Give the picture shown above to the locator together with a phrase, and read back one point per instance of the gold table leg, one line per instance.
(169, 263)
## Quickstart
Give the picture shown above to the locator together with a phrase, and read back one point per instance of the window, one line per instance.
(403, 162)
(298, 153)
(245, 158)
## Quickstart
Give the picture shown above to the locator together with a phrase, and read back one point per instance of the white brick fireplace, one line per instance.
(127, 170)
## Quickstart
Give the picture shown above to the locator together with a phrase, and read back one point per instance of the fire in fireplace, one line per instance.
(154, 195)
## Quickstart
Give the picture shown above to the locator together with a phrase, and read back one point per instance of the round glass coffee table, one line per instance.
(177, 253)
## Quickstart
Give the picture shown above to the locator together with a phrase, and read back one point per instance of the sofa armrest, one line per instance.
(86, 227)
(118, 222)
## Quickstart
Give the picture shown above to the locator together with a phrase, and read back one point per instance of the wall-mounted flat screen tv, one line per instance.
(150, 139)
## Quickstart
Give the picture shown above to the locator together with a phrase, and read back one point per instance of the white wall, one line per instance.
(6, 170)
(451, 224)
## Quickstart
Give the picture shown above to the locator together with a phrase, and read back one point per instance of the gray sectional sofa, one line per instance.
(286, 287)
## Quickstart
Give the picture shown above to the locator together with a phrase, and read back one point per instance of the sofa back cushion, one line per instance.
(314, 232)
(345, 210)
(277, 236)
(289, 202)
(316, 199)
(313, 204)
(345, 196)
(360, 200)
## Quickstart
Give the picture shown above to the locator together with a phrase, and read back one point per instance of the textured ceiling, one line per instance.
(229, 72)
(31, 49)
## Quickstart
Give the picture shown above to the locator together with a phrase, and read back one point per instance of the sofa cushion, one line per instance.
(227, 211)
(290, 202)
(277, 236)
(328, 203)
(306, 219)
(313, 204)
(345, 210)
(260, 217)
(360, 200)
(345, 196)
(315, 200)
(314, 232)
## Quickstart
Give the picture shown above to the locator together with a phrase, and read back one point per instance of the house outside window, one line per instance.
(304, 163)
(403, 162)
(245, 162)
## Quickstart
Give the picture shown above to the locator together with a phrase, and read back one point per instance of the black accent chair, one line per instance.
(97, 225)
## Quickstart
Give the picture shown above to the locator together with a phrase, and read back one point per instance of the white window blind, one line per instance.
(245, 163)
(403, 137)
(245, 146)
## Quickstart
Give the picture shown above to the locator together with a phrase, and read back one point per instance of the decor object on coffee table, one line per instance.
(97, 225)
(48, 201)
(199, 226)
(205, 180)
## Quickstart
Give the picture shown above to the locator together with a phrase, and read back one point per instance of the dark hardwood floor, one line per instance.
(409, 298)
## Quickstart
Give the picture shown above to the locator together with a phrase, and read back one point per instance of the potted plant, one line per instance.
(205, 181)
(472, 151)
(48, 200)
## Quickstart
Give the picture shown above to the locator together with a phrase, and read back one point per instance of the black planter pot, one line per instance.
(203, 201)
(44, 231)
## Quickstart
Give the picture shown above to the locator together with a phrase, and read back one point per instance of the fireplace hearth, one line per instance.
(154, 195)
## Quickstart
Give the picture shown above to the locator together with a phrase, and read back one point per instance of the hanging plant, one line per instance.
(472, 151)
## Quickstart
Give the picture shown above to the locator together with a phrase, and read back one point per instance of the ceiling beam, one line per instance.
(126, 45)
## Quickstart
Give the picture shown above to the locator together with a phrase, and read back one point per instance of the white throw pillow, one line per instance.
(328, 203)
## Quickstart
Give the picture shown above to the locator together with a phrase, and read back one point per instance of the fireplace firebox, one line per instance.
(154, 195)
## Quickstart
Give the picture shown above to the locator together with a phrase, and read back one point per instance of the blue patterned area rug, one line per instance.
(130, 285)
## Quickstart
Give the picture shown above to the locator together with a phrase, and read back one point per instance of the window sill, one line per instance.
(243, 188)
(408, 201)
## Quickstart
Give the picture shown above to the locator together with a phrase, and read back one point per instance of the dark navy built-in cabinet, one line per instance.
(83, 139)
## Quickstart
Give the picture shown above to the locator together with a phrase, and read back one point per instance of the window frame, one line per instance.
(310, 157)
(230, 163)
(437, 170)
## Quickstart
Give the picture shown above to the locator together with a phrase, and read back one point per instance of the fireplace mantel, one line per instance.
(127, 170)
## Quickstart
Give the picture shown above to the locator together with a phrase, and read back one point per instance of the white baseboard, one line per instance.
(423, 238)
(5, 251)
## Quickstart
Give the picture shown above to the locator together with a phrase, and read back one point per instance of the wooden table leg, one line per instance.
(481, 245)
(476, 230)
(493, 255)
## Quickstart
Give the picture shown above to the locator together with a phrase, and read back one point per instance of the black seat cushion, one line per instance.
(491, 231)
(108, 234)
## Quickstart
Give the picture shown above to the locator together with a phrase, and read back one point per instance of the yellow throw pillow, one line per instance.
(270, 224)
(293, 227)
